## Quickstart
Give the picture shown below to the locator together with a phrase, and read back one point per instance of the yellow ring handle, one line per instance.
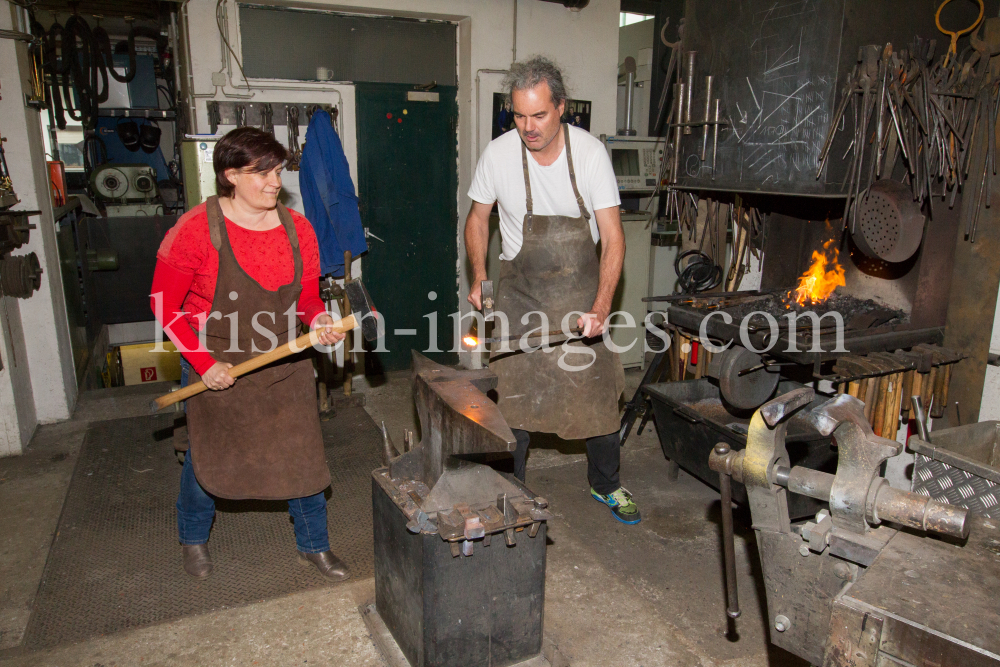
(955, 35)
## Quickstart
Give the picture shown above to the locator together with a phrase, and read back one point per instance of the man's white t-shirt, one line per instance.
(500, 178)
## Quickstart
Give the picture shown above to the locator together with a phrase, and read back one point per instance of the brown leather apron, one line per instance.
(557, 272)
(261, 437)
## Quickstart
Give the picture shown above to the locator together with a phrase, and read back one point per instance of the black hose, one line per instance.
(95, 151)
(103, 42)
(76, 62)
(700, 274)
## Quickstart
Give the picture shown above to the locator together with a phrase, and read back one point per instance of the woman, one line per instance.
(232, 275)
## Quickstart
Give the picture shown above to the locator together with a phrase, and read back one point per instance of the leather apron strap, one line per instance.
(584, 213)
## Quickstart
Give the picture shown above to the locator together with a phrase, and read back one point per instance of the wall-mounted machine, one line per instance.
(126, 189)
(20, 276)
(636, 161)
(199, 172)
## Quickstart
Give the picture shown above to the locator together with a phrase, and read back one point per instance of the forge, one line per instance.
(885, 305)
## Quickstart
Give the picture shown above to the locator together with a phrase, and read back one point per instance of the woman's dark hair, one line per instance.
(245, 147)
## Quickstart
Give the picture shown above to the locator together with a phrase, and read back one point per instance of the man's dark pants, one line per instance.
(603, 460)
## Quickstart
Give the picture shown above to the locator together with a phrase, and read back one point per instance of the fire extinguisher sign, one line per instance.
(148, 374)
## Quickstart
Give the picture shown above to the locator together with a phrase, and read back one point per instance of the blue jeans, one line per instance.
(196, 508)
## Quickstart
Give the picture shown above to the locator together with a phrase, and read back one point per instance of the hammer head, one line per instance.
(363, 309)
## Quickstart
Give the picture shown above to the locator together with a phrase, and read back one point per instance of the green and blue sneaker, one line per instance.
(622, 507)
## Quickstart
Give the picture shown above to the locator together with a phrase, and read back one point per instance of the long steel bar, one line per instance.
(728, 543)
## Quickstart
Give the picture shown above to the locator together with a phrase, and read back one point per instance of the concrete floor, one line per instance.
(645, 595)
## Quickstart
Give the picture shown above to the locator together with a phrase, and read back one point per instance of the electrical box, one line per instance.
(636, 161)
(199, 171)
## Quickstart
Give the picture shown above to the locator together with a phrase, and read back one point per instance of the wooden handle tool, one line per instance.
(301, 343)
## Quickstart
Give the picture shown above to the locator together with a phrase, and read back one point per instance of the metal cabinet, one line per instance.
(632, 287)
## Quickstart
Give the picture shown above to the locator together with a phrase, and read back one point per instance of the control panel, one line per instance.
(636, 160)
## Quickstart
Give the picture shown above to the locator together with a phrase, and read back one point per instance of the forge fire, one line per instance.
(823, 276)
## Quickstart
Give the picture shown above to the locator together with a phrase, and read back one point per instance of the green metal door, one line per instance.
(408, 189)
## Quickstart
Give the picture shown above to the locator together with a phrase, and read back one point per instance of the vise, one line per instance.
(459, 548)
(845, 589)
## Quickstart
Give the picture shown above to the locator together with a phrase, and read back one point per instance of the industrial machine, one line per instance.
(19, 276)
(126, 189)
(459, 548)
(845, 589)
(636, 161)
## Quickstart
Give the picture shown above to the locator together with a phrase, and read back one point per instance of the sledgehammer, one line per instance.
(364, 315)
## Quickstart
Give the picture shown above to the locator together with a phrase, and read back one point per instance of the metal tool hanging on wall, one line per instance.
(919, 120)
(266, 119)
(682, 118)
(292, 122)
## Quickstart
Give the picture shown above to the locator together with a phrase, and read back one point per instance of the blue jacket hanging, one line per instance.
(329, 197)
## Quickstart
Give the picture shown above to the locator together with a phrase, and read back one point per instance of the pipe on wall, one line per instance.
(575, 5)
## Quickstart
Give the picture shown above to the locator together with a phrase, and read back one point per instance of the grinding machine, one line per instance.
(862, 583)
(459, 547)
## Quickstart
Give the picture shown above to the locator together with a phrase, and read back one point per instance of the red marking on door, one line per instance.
(148, 374)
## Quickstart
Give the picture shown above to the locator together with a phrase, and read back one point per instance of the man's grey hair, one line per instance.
(529, 73)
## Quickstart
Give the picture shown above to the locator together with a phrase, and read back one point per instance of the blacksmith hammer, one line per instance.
(486, 304)
(363, 315)
(487, 296)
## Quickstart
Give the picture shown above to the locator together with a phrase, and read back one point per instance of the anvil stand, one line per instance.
(459, 548)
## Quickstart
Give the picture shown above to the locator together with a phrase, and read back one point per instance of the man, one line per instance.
(557, 197)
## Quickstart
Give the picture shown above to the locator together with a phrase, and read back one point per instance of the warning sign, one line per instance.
(148, 374)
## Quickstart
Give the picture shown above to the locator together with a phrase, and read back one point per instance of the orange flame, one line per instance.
(818, 282)
(470, 341)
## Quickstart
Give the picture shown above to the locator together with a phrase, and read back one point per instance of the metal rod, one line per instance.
(728, 538)
(16, 35)
(701, 123)
(663, 95)
(679, 94)
(887, 503)
(630, 85)
(708, 111)
(689, 90)
(348, 340)
(572, 333)
(707, 297)
(715, 140)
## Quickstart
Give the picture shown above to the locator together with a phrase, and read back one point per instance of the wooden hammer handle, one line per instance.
(301, 343)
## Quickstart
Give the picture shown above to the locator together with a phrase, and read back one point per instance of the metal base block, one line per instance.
(446, 609)
(393, 656)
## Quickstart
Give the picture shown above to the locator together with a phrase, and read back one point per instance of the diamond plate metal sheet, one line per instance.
(949, 484)
(115, 563)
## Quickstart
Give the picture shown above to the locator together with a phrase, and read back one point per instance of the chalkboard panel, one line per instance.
(775, 68)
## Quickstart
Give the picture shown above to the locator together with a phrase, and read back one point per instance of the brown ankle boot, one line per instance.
(328, 565)
(197, 561)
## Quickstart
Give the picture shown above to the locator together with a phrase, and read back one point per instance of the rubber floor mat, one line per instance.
(115, 562)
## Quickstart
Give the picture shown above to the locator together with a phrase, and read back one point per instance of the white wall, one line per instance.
(38, 381)
(990, 407)
(632, 38)
(584, 43)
